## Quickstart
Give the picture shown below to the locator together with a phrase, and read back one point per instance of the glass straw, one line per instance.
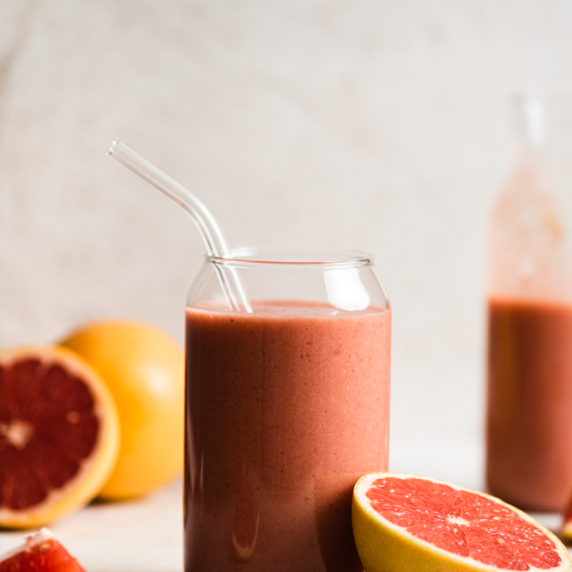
(208, 227)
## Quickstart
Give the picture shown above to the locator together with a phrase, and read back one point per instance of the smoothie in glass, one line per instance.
(286, 408)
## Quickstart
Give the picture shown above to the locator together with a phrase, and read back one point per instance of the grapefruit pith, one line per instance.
(406, 522)
(59, 434)
(40, 553)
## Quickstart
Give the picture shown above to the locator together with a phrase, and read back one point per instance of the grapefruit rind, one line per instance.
(386, 547)
(95, 470)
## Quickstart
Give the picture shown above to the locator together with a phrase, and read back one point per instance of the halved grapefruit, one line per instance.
(59, 434)
(41, 552)
(406, 522)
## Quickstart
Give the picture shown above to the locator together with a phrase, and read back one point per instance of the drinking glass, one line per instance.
(286, 407)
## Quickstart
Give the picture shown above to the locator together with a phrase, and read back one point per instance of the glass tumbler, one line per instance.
(286, 407)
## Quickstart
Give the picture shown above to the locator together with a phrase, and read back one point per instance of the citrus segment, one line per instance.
(406, 522)
(144, 370)
(40, 553)
(59, 434)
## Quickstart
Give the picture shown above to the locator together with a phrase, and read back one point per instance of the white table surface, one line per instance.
(135, 536)
(146, 535)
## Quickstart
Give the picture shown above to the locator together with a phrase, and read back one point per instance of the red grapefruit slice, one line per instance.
(406, 522)
(59, 434)
(40, 553)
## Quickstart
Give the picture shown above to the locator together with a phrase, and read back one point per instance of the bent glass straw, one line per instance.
(208, 227)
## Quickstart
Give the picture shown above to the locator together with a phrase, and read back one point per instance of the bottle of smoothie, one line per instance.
(287, 406)
(529, 404)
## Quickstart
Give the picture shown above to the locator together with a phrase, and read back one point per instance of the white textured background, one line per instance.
(370, 124)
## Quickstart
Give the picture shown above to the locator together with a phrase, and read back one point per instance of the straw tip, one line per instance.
(111, 149)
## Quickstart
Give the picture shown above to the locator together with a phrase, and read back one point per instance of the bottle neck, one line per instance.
(529, 118)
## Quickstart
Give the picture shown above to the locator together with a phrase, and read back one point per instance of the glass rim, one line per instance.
(254, 257)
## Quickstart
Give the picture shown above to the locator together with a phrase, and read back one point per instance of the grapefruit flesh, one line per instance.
(40, 553)
(59, 434)
(406, 522)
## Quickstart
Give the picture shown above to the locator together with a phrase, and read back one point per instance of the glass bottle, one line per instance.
(529, 347)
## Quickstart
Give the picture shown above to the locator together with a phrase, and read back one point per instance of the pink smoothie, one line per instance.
(286, 409)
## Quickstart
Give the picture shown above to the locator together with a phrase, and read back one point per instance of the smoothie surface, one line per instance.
(285, 308)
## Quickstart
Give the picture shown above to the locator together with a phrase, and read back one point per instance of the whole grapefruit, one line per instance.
(144, 370)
